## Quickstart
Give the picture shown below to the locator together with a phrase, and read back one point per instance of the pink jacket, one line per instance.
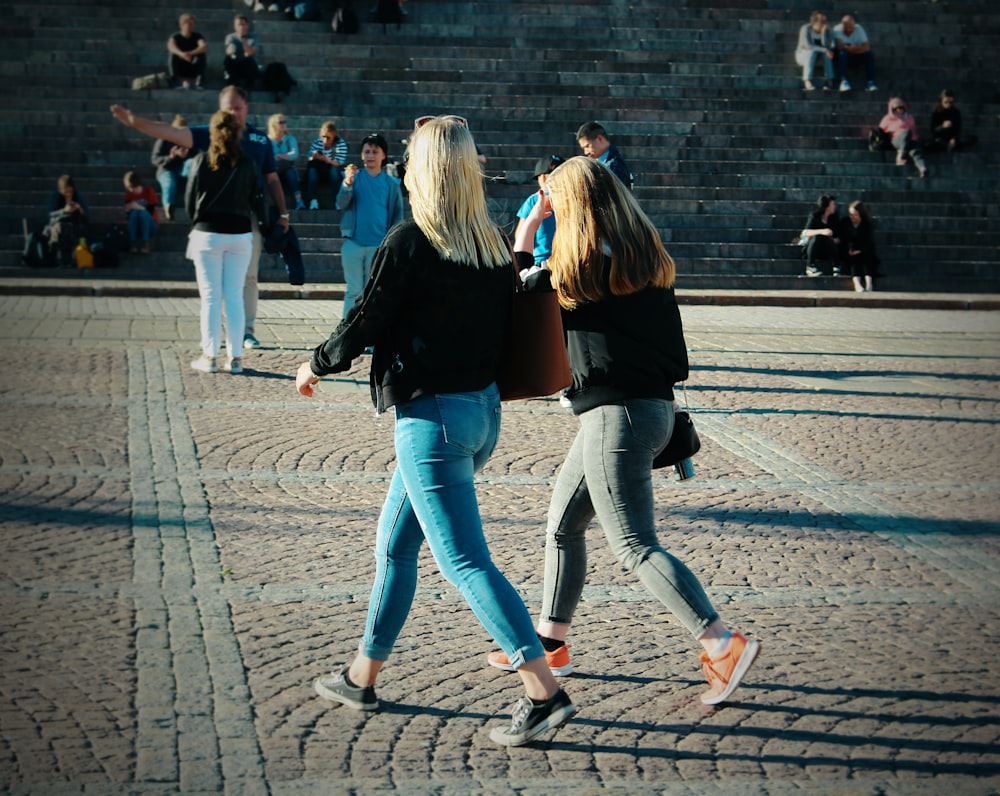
(893, 123)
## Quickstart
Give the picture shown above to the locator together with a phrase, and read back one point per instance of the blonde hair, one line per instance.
(272, 124)
(593, 209)
(447, 196)
(224, 131)
(330, 127)
(132, 179)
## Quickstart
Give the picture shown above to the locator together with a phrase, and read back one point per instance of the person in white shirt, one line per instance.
(852, 46)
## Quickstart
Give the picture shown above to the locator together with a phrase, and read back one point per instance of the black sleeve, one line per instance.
(369, 318)
(191, 191)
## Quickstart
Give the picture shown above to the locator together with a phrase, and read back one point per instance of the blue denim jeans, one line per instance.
(141, 226)
(316, 172)
(290, 176)
(845, 59)
(170, 182)
(441, 442)
(608, 473)
(357, 264)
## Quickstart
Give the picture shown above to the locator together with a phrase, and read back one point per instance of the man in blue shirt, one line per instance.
(593, 140)
(372, 203)
(256, 146)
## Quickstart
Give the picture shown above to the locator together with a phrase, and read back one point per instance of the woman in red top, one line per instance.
(140, 212)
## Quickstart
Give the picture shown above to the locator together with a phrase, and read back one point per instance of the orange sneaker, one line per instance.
(558, 661)
(725, 672)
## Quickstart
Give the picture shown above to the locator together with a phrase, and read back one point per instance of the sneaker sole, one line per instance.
(742, 667)
(334, 696)
(558, 671)
(551, 722)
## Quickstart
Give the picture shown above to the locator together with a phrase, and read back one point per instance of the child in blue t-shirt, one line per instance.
(372, 203)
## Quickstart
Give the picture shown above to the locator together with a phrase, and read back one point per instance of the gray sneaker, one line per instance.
(530, 720)
(336, 688)
(235, 365)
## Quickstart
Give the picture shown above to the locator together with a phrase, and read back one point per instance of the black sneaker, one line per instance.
(336, 688)
(529, 721)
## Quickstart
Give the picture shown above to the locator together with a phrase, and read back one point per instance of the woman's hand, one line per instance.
(541, 210)
(306, 381)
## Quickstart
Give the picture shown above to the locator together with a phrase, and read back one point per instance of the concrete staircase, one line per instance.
(703, 99)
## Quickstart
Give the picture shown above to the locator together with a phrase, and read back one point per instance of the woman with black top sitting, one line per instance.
(859, 244)
(821, 237)
(946, 125)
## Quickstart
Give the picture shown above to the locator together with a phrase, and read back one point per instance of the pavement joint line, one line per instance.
(661, 480)
(232, 722)
(340, 592)
(155, 728)
(830, 490)
(174, 550)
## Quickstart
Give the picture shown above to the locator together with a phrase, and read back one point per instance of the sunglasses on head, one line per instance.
(420, 121)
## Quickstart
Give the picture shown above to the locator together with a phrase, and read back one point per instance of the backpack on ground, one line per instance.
(108, 248)
(277, 80)
(157, 80)
(115, 240)
(37, 253)
(345, 20)
(879, 140)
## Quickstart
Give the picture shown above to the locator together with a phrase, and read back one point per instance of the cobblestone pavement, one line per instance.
(182, 554)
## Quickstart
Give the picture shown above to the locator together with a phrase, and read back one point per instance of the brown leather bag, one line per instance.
(534, 363)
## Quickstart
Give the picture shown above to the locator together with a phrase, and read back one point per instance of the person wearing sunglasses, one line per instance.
(614, 281)
(436, 310)
(286, 153)
(900, 125)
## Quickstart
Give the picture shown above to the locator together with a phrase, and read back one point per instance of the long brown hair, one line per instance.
(595, 212)
(224, 149)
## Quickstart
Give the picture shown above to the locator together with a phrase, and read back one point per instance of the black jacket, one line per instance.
(436, 326)
(617, 164)
(623, 347)
(221, 201)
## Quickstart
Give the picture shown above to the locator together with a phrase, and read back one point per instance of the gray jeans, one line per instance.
(608, 473)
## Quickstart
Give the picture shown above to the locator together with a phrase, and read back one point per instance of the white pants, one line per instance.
(220, 265)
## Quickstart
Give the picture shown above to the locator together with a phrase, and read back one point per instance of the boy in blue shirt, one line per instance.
(372, 203)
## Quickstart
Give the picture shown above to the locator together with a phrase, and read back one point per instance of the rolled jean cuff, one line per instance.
(524, 654)
(375, 653)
